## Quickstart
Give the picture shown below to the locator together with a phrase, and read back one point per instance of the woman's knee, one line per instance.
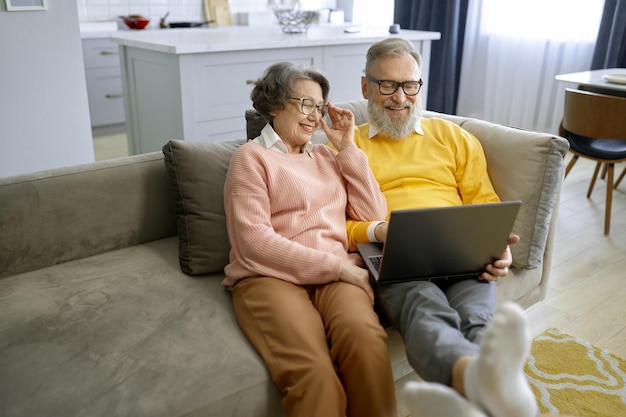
(306, 370)
(356, 324)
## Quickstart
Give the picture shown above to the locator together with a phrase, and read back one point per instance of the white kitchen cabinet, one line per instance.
(104, 85)
(196, 85)
(222, 85)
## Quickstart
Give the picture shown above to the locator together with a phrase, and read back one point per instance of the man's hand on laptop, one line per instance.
(380, 231)
(500, 268)
(358, 276)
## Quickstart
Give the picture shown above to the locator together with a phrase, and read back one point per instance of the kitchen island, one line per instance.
(194, 84)
(104, 78)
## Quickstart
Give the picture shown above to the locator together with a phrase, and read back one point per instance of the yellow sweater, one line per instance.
(444, 167)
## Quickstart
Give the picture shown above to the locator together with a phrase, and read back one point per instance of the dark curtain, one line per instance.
(610, 50)
(447, 17)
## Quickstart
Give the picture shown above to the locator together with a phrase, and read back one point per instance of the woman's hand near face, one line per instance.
(341, 135)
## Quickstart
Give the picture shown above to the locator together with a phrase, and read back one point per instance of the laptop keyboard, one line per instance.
(376, 261)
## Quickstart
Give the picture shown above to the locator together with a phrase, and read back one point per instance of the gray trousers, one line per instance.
(439, 321)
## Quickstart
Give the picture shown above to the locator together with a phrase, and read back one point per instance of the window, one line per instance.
(553, 20)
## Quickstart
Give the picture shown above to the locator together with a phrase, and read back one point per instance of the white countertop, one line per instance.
(100, 29)
(237, 38)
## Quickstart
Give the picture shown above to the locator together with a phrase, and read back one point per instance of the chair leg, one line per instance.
(603, 176)
(609, 198)
(593, 179)
(619, 179)
(571, 165)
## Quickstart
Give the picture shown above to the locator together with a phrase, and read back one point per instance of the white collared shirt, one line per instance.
(269, 139)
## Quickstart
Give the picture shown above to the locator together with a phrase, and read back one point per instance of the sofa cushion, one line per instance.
(197, 171)
(254, 124)
(73, 212)
(126, 334)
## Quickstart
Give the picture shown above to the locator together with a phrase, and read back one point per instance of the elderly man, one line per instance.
(427, 163)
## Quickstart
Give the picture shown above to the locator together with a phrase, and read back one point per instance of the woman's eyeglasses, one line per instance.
(308, 106)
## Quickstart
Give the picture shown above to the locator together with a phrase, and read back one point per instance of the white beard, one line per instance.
(397, 128)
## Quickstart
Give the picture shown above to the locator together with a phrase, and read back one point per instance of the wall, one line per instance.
(364, 12)
(44, 114)
(179, 10)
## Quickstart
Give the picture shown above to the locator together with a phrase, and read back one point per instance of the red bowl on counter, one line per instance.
(136, 21)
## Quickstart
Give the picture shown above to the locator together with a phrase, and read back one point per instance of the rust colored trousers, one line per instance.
(323, 346)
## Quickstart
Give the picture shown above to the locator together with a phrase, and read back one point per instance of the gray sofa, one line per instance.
(99, 319)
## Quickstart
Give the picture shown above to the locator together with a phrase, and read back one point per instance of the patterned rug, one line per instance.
(571, 376)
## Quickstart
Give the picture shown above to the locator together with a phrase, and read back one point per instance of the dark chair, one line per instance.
(595, 126)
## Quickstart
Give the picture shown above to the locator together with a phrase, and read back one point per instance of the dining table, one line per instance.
(611, 81)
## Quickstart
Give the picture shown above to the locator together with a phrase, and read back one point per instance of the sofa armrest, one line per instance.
(527, 166)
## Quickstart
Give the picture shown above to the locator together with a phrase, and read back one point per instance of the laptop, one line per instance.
(443, 243)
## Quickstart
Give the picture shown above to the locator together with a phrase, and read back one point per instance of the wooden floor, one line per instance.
(110, 146)
(587, 291)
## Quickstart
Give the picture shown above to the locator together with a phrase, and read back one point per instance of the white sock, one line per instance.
(427, 399)
(495, 380)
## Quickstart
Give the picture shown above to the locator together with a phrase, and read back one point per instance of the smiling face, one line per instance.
(396, 114)
(294, 127)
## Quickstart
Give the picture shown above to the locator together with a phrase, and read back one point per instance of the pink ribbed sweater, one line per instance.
(286, 213)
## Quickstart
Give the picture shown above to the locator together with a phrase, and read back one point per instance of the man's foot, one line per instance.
(426, 399)
(495, 380)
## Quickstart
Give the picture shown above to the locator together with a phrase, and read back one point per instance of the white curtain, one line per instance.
(514, 49)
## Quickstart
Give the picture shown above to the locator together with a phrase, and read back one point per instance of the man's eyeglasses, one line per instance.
(388, 87)
(308, 106)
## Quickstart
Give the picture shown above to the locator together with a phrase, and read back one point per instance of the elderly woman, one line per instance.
(301, 299)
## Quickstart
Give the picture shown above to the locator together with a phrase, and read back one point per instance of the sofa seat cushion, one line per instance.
(126, 333)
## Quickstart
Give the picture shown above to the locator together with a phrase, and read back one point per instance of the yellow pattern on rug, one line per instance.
(571, 376)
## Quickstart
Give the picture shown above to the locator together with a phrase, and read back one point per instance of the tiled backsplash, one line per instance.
(179, 10)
